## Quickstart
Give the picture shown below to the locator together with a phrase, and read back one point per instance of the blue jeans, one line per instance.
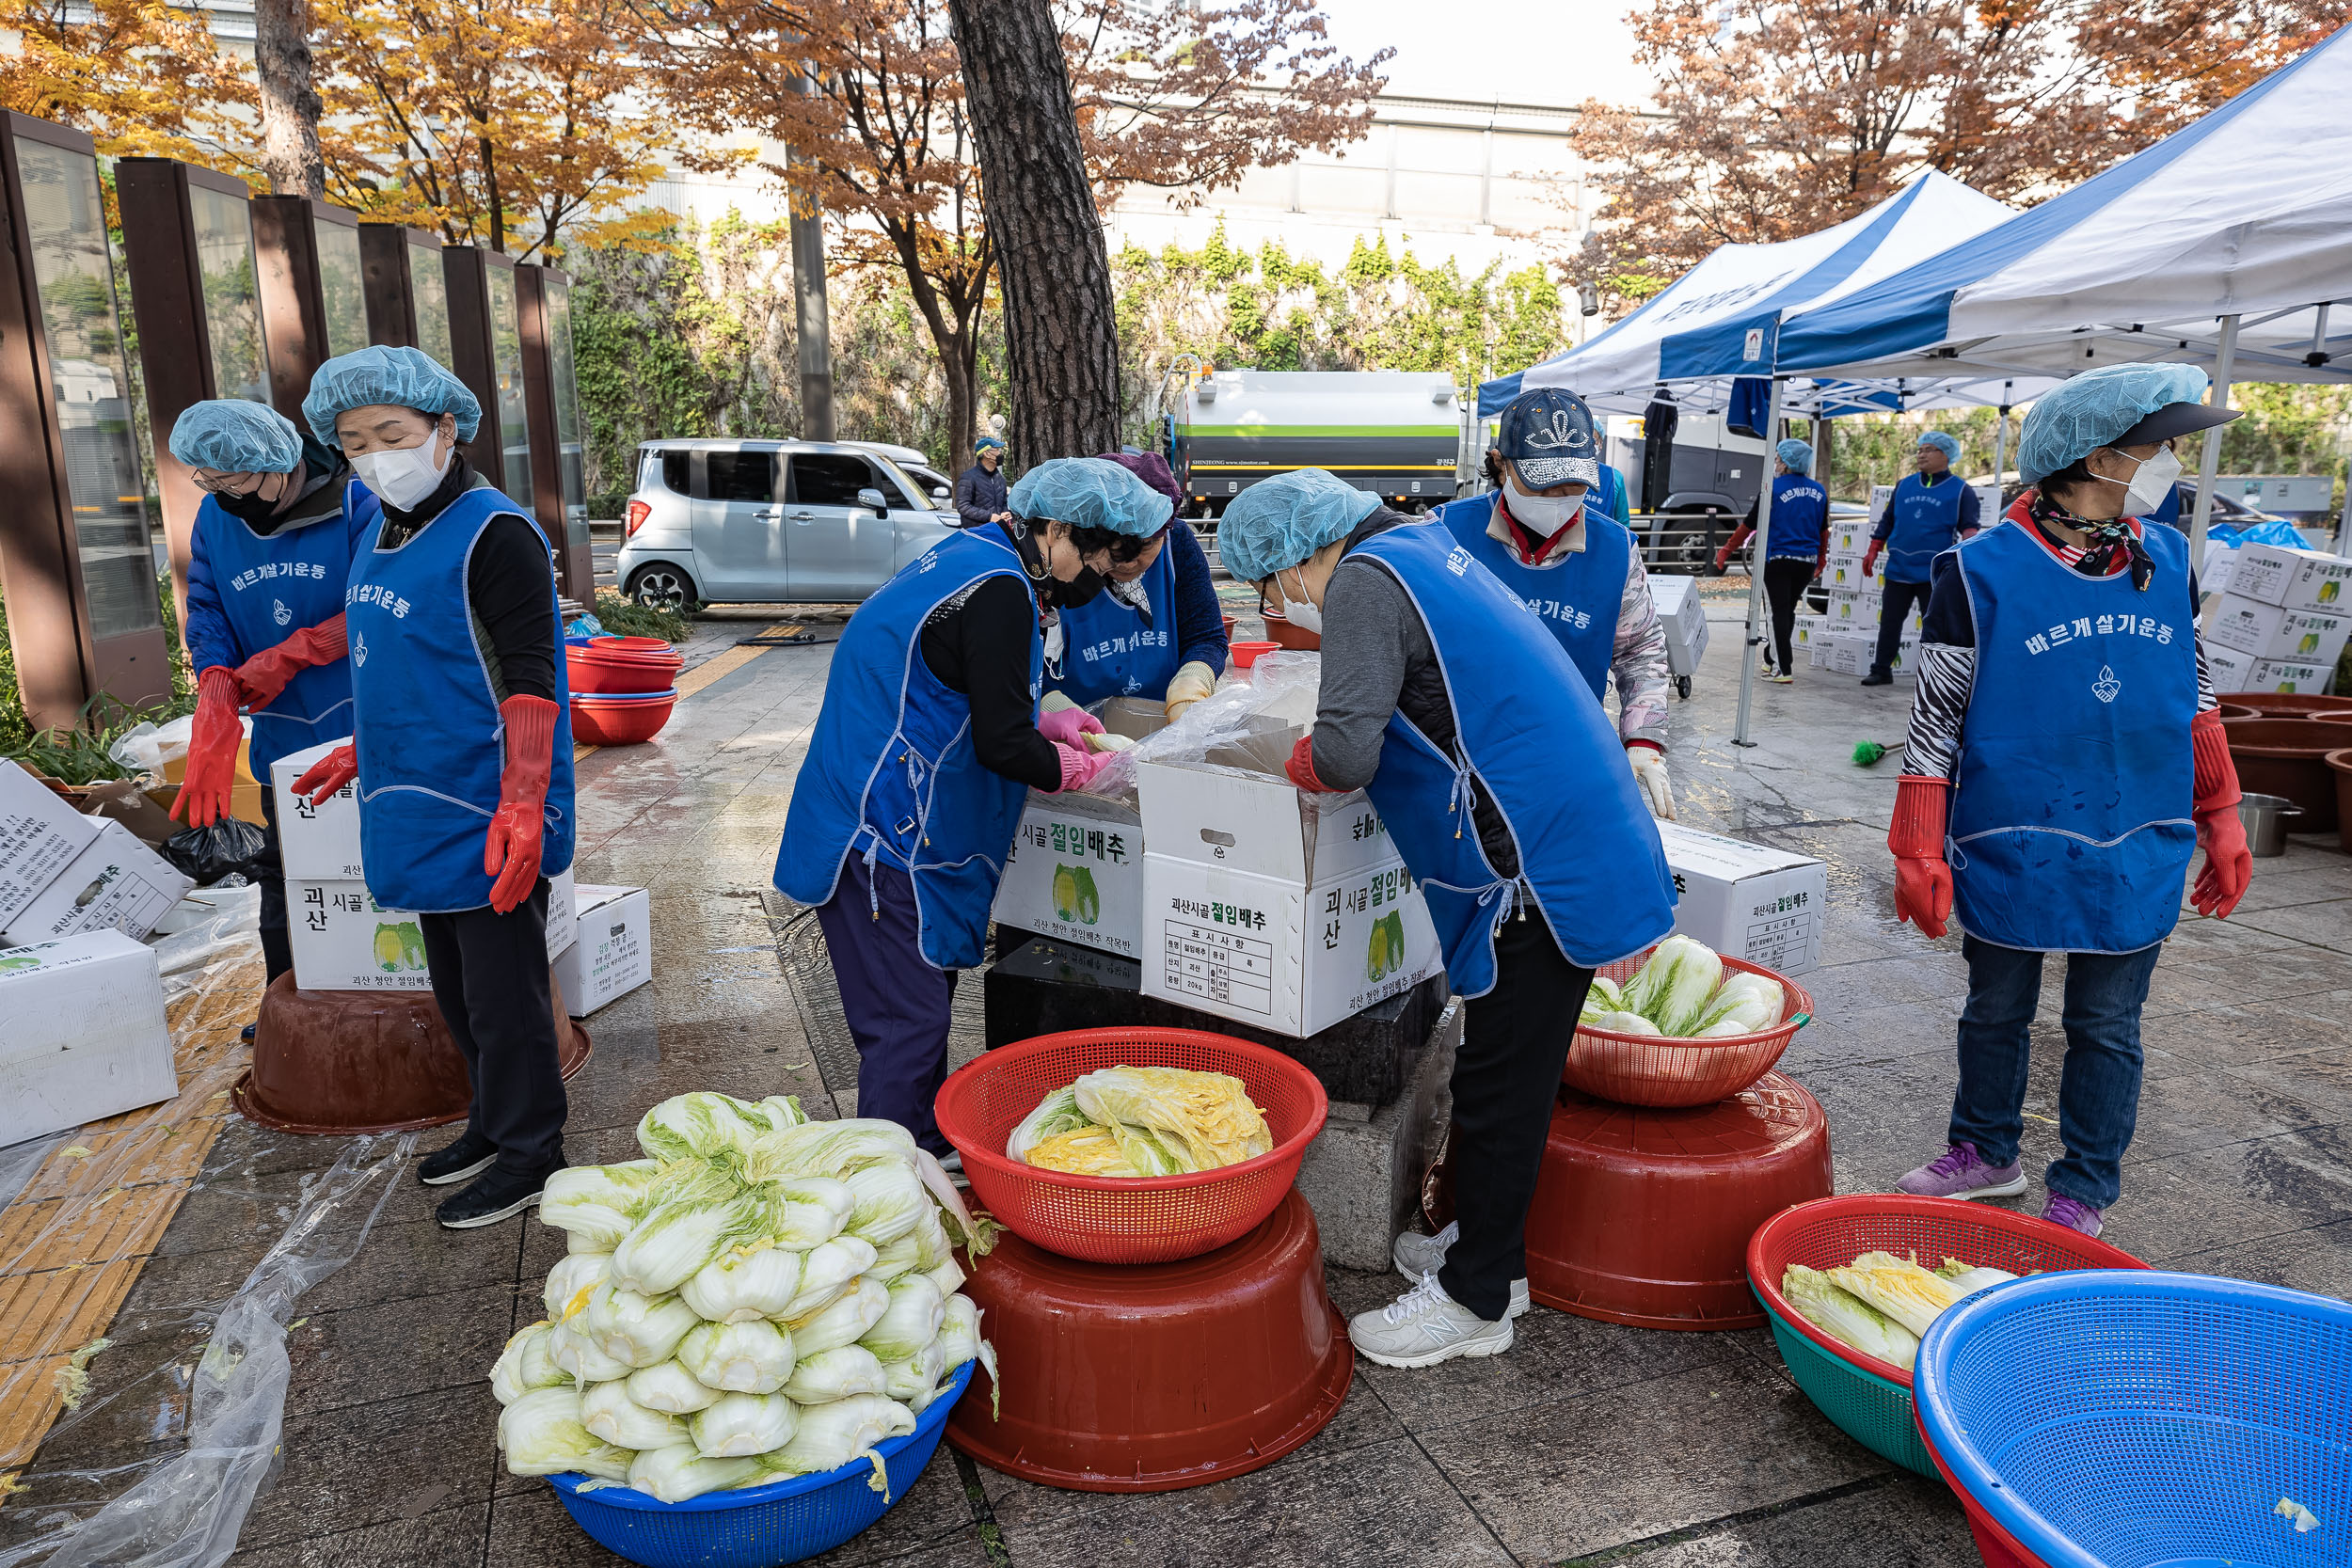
(898, 1007)
(2098, 1086)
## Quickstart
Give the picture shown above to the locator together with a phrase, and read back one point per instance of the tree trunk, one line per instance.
(958, 367)
(290, 104)
(1061, 339)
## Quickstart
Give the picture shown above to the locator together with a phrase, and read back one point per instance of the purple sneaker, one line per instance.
(1962, 1173)
(2072, 1213)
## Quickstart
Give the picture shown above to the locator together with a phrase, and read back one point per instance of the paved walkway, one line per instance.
(1587, 1444)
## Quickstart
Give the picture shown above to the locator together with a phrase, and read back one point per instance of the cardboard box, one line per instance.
(1684, 620)
(1880, 496)
(2230, 671)
(317, 843)
(344, 939)
(1076, 874)
(1851, 654)
(2276, 632)
(115, 884)
(1852, 537)
(41, 833)
(1273, 907)
(2291, 578)
(1808, 630)
(613, 954)
(1844, 572)
(2214, 577)
(1764, 906)
(85, 1037)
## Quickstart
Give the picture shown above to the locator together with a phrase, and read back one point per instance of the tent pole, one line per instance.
(2000, 443)
(2209, 462)
(1756, 580)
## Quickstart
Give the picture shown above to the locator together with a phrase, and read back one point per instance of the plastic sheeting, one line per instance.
(1237, 728)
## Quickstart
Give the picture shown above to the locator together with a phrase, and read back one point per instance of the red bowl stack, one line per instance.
(622, 688)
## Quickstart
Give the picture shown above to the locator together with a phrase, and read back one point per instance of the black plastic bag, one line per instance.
(230, 846)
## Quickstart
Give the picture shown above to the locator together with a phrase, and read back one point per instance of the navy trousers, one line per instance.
(898, 1005)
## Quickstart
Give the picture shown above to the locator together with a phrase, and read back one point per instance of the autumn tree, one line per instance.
(143, 77)
(289, 105)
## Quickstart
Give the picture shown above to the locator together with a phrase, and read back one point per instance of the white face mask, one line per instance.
(1054, 642)
(2151, 483)
(1546, 514)
(405, 476)
(1299, 611)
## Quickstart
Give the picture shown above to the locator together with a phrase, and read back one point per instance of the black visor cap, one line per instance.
(2175, 419)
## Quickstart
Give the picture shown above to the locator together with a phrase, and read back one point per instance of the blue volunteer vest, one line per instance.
(429, 737)
(2071, 824)
(1110, 651)
(1588, 846)
(1800, 512)
(273, 587)
(890, 772)
(1927, 523)
(1576, 596)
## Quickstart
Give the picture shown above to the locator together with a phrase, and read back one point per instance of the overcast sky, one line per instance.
(1519, 51)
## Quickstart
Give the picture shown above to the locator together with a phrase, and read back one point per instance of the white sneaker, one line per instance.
(1417, 1255)
(1424, 1326)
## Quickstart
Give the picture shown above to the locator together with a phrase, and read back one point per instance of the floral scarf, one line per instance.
(2111, 540)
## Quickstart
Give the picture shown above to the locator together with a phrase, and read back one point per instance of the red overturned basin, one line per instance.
(2288, 757)
(620, 721)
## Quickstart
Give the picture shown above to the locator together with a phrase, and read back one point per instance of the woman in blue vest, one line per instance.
(1792, 557)
(1553, 531)
(2066, 758)
(1156, 632)
(272, 546)
(1930, 511)
(1496, 773)
(462, 747)
(929, 741)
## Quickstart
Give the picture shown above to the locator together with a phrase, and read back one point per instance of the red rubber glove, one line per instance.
(1079, 763)
(1923, 881)
(1869, 558)
(328, 774)
(213, 741)
(1064, 726)
(1301, 767)
(265, 675)
(2228, 864)
(511, 852)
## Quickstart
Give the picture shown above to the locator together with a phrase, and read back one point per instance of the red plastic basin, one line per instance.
(2288, 757)
(2340, 763)
(619, 677)
(1246, 654)
(620, 721)
(631, 646)
(1151, 1377)
(1287, 636)
(2283, 704)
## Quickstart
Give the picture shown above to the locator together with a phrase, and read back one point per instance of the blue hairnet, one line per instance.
(1091, 492)
(230, 435)
(1942, 443)
(402, 377)
(1796, 455)
(1279, 522)
(2079, 416)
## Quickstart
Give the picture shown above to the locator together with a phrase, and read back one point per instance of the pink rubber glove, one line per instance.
(1078, 764)
(1064, 727)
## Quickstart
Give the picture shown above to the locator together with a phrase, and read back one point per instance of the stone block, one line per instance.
(1362, 1176)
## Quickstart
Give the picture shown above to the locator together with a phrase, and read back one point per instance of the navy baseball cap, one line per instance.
(1548, 436)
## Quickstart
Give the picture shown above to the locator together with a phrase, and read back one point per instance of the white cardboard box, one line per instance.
(2291, 578)
(2276, 632)
(2220, 561)
(1076, 874)
(1809, 630)
(1747, 900)
(1844, 572)
(2230, 671)
(40, 835)
(613, 954)
(316, 843)
(1852, 538)
(86, 1035)
(344, 939)
(1273, 907)
(115, 884)
(1684, 620)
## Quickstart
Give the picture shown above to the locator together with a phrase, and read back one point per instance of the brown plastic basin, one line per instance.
(2288, 757)
(364, 1061)
(2340, 763)
(2232, 710)
(2283, 704)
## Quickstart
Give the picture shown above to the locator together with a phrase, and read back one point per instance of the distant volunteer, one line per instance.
(1930, 511)
(979, 497)
(1547, 531)
(1496, 775)
(928, 742)
(1156, 631)
(272, 546)
(2066, 758)
(1792, 556)
(462, 745)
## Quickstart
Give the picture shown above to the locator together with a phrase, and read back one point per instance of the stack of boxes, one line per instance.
(2281, 624)
(1844, 640)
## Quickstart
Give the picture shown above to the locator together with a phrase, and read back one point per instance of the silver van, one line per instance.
(799, 522)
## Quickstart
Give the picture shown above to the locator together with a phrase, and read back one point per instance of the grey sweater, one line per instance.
(1377, 661)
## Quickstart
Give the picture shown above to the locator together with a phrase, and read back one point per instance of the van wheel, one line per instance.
(661, 586)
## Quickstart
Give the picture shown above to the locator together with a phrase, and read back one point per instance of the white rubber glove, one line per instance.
(1190, 683)
(1055, 702)
(1650, 771)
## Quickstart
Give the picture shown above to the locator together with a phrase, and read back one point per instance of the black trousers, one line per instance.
(1786, 577)
(1902, 598)
(270, 876)
(1507, 1077)
(490, 976)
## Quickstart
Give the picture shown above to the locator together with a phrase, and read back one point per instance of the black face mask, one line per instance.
(252, 510)
(1080, 589)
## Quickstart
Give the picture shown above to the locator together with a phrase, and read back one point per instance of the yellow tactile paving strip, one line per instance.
(72, 1242)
